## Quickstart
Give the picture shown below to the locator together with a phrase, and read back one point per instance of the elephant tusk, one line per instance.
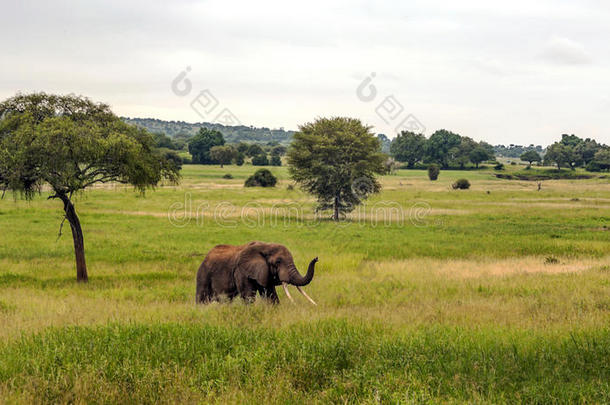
(287, 292)
(306, 296)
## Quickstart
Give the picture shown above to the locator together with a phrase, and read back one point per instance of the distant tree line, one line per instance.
(572, 152)
(450, 150)
(515, 151)
(231, 133)
(208, 147)
(219, 144)
(445, 148)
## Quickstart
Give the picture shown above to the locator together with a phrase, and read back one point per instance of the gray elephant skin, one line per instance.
(257, 267)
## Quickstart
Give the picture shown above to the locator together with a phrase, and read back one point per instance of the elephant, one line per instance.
(244, 270)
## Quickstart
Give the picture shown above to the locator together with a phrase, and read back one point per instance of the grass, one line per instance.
(499, 294)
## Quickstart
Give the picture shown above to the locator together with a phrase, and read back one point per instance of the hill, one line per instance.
(231, 134)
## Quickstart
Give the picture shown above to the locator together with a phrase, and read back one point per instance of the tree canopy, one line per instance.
(601, 160)
(200, 145)
(531, 156)
(572, 151)
(223, 154)
(408, 147)
(279, 150)
(254, 150)
(71, 143)
(444, 147)
(479, 154)
(561, 155)
(260, 160)
(439, 146)
(336, 159)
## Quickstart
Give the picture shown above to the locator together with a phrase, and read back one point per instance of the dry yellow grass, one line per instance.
(459, 268)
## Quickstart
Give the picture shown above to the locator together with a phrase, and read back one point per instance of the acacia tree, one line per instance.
(477, 155)
(70, 143)
(223, 154)
(561, 155)
(336, 159)
(531, 156)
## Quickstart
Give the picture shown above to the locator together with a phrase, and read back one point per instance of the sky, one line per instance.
(521, 72)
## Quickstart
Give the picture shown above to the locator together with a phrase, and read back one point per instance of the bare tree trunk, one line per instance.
(77, 236)
(336, 213)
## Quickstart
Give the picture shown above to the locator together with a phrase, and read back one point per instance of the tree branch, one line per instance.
(61, 226)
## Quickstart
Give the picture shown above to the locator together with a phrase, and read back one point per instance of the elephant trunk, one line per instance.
(297, 279)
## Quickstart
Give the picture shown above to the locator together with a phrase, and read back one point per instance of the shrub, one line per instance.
(227, 176)
(593, 167)
(461, 184)
(499, 166)
(276, 160)
(261, 178)
(513, 163)
(433, 171)
(290, 187)
(260, 160)
(239, 159)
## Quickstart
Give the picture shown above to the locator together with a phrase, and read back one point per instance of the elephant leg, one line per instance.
(200, 297)
(204, 294)
(269, 294)
(247, 290)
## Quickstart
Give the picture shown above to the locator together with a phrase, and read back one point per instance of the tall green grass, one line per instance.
(332, 361)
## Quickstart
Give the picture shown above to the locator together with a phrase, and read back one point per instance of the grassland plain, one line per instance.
(497, 294)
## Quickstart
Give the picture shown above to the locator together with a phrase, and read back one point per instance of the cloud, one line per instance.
(564, 51)
(470, 66)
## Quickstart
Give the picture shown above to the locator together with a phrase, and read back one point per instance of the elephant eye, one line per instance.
(278, 261)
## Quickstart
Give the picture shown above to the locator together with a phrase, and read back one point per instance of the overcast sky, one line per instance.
(501, 71)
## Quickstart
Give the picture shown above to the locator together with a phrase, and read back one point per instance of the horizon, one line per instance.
(520, 73)
(544, 146)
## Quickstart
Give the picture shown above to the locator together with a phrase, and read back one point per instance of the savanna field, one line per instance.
(496, 294)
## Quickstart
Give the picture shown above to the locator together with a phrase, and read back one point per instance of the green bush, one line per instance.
(433, 171)
(227, 176)
(276, 160)
(261, 178)
(461, 184)
(499, 166)
(239, 159)
(260, 160)
(596, 167)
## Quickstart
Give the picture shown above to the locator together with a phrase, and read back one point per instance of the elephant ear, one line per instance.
(252, 262)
